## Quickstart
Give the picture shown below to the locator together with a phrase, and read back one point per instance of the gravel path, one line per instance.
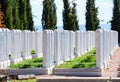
(113, 69)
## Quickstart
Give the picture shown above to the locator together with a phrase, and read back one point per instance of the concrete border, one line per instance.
(35, 71)
(97, 72)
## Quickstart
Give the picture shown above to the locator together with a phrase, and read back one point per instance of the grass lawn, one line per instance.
(87, 60)
(29, 80)
(31, 63)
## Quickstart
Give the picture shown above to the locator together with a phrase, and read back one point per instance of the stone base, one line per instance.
(15, 61)
(39, 55)
(28, 57)
(79, 72)
(4, 64)
(1, 65)
(35, 71)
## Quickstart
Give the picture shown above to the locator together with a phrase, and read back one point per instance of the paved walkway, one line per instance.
(113, 69)
(52, 78)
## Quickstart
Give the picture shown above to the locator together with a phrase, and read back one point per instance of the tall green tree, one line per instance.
(18, 14)
(115, 23)
(29, 16)
(49, 18)
(16, 19)
(53, 15)
(66, 15)
(92, 21)
(70, 21)
(73, 18)
(7, 9)
(25, 24)
(21, 14)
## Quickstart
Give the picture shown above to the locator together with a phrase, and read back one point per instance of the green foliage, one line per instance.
(73, 18)
(66, 13)
(8, 12)
(29, 16)
(49, 18)
(87, 60)
(92, 21)
(28, 80)
(32, 51)
(21, 13)
(25, 24)
(33, 63)
(18, 14)
(15, 13)
(70, 21)
(115, 23)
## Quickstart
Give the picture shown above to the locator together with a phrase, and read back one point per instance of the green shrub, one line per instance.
(31, 63)
(37, 60)
(90, 65)
(32, 51)
(87, 60)
(81, 65)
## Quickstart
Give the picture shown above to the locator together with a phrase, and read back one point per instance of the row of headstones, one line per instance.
(62, 45)
(16, 45)
(106, 43)
(85, 41)
(58, 45)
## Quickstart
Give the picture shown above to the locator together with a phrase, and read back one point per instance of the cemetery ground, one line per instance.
(110, 74)
(30, 63)
(87, 60)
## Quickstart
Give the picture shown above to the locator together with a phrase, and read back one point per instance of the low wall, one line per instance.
(78, 72)
(35, 71)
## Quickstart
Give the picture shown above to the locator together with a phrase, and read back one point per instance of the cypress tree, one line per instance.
(49, 15)
(92, 21)
(73, 18)
(53, 15)
(2, 21)
(25, 24)
(7, 9)
(70, 21)
(29, 16)
(18, 14)
(16, 19)
(21, 14)
(66, 16)
(115, 23)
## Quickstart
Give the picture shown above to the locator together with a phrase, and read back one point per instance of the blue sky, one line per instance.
(105, 11)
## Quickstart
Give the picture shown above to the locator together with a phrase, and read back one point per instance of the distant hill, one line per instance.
(82, 27)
